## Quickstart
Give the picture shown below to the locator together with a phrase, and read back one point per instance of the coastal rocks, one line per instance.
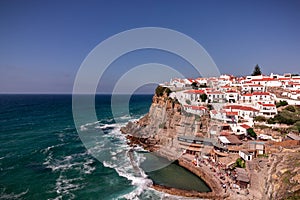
(158, 131)
(282, 181)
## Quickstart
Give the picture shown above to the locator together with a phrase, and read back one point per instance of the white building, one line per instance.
(294, 95)
(240, 129)
(246, 98)
(194, 96)
(216, 97)
(245, 112)
(245, 155)
(177, 82)
(231, 96)
(261, 96)
(197, 110)
(252, 88)
(267, 110)
(224, 116)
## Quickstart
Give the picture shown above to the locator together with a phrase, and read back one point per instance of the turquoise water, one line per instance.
(42, 156)
(176, 176)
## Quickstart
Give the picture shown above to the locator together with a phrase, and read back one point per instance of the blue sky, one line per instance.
(43, 43)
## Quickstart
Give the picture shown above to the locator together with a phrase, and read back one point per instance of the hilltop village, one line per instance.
(240, 134)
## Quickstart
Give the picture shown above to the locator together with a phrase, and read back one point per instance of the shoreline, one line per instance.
(217, 192)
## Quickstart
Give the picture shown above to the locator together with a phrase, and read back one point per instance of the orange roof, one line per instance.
(231, 91)
(232, 113)
(214, 112)
(215, 92)
(284, 79)
(263, 79)
(245, 126)
(255, 85)
(196, 107)
(239, 107)
(223, 133)
(261, 93)
(226, 86)
(248, 94)
(191, 80)
(195, 91)
(269, 105)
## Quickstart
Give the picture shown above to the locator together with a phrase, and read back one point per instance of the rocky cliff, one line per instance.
(166, 120)
(157, 132)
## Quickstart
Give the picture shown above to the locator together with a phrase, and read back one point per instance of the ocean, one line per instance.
(42, 156)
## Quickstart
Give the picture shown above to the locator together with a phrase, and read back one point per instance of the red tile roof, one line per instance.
(231, 91)
(195, 91)
(284, 79)
(245, 126)
(239, 107)
(232, 113)
(214, 112)
(215, 92)
(261, 93)
(269, 105)
(196, 107)
(248, 94)
(263, 79)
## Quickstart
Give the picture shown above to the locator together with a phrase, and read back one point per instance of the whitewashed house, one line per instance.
(245, 155)
(267, 110)
(177, 82)
(231, 96)
(197, 110)
(294, 94)
(246, 112)
(201, 81)
(194, 96)
(216, 97)
(261, 96)
(252, 88)
(240, 129)
(224, 116)
(246, 98)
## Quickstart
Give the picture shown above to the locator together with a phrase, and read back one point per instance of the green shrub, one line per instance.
(260, 119)
(159, 91)
(240, 163)
(251, 132)
(162, 125)
(281, 103)
(290, 108)
(203, 97)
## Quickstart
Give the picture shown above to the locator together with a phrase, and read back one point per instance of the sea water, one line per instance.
(42, 156)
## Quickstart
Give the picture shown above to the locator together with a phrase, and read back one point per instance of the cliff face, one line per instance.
(283, 180)
(158, 130)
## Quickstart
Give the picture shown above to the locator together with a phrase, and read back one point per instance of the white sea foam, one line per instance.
(105, 126)
(117, 157)
(87, 125)
(65, 187)
(46, 150)
(12, 195)
(113, 151)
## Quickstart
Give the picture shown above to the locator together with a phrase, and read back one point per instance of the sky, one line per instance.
(44, 43)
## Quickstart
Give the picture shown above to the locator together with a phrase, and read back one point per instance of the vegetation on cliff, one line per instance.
(160, 91)
(290, 115)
